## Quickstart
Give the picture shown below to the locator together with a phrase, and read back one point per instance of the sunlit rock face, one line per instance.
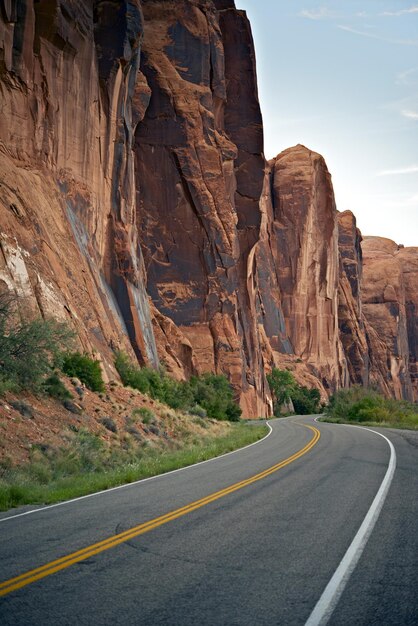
(389, 295)
(303, 239)
(200, 171)
(136, 204)
(71, 97)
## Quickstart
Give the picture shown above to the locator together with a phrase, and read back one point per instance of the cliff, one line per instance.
(200, 172)
(390, 298)
(71, 97)
(136, 204)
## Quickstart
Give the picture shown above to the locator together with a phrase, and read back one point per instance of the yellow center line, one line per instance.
(62, 563)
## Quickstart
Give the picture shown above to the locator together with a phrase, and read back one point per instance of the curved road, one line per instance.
(251, 538)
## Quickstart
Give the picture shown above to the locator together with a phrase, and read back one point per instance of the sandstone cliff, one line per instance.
(299, 285)
(70, 101)
(350, 314)
(389, 296)
(199, 171)
(136, 203)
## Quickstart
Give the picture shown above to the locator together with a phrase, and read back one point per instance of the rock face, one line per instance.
(70, 101)
(350, 314)
(389, 295)
(199, 171)
(302, 235)
(136, 204)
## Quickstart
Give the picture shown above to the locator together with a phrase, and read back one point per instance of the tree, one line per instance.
(28, 349)
(282, 383)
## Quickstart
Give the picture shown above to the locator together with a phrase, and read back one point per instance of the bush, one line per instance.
(305, 401)
(85, 368)
(54, 387)
(211, 392)
(214, 393)
(361, 404)
(146, 415)
(284, 389)
(28, 349)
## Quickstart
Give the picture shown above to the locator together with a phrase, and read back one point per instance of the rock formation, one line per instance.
(302, 235)
(390, 312)
(350, 313)
(71, 98)
(199, 171)
(136, 204)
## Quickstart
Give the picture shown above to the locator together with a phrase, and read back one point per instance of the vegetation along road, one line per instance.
(315, 523)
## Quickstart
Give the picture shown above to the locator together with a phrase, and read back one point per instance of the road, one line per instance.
(252, 538)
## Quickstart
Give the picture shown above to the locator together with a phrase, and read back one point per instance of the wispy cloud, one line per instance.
(407, 77)
(410, 169)
(400, 12)
(321, 13)
(411, 115)
(403, 42)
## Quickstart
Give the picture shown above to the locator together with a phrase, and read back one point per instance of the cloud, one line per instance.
(400, 12)
(321, 13)
(403, 42)
(411, 115)
(411, 169)
(407, 77)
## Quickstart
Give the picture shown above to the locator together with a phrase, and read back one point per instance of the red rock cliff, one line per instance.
(302, 235)
(70, 101)
(136, 204)
(199, 170)
(389, 296)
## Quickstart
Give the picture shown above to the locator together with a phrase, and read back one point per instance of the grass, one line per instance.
(368, 407)
(87, 465)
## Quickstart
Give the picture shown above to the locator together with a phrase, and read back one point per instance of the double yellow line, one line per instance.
(62, 563)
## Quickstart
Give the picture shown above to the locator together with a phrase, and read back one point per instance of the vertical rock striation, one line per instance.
(198, 214)
(303, 239)
(350, 314)
(385, 311)
(70, 102)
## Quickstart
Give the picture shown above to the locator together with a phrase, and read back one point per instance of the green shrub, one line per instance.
(211, 392)
(28, 349)
(54, 387)
(146, 415)
(85, 368)
(284, 389)
(361, 404)
(305, 401)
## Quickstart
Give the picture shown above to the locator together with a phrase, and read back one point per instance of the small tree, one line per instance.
(28, 349)
(282, 383)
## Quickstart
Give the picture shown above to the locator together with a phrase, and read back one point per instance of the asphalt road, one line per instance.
(259, 553)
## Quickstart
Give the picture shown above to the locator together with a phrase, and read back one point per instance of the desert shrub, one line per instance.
(109, 424)
(284, 389)
(28, 349)
(362, 404)
(146, 415)
(214, 394)
(198, 410)
(211, 392)
(305, 401)
(85, 368)
(54, 387)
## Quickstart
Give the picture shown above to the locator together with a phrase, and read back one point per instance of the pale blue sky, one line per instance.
(341, 77)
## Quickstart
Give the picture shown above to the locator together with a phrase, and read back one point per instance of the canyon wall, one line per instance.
(136, 204)
(71, 97)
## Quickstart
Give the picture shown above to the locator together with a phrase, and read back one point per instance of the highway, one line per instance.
(253, 538)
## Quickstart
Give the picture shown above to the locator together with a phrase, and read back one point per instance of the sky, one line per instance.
(341, 77)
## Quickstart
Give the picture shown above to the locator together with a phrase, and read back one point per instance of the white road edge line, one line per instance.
(332, 592)
(136, 482)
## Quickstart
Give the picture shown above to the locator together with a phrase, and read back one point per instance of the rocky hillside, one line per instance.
(136, 204)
